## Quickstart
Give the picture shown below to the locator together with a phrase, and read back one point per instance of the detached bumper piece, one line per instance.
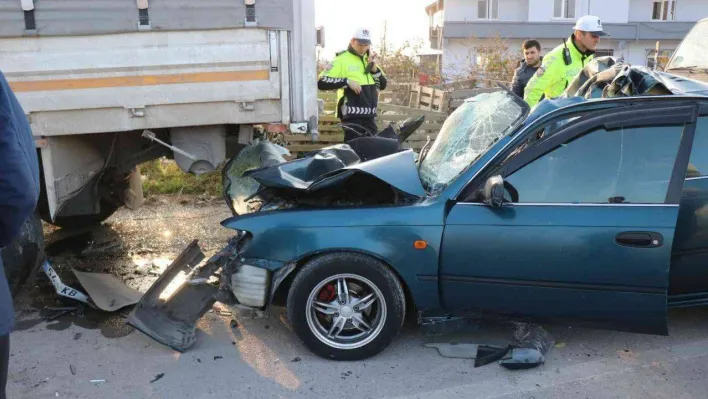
(170, 317)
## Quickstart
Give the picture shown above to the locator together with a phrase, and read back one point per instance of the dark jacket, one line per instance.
(19, 185)
(522, 75)
(348, 65)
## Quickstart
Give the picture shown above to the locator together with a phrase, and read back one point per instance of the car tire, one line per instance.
(364, 277)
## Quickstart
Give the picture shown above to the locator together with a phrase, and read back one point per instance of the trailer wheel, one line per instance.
(21, 259)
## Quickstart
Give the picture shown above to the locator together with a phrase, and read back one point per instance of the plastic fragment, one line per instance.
(61, 288)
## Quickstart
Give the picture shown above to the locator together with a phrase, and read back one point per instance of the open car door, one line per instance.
(586, 228)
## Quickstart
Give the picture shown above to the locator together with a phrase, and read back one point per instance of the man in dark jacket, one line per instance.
(529, 65)
(19, 192)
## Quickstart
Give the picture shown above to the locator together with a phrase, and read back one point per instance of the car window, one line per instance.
(625, 165)
(541, 135)
(698, 163)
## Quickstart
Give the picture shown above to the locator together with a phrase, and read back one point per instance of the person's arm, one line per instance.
(550, 73)
(332, 78)
(380, 79)
(516, 84)
(17, 196)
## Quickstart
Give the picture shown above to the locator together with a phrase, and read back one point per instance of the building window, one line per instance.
(488, 9)
(604, 53)
(564, 9)
(664, 10)
(662, 59)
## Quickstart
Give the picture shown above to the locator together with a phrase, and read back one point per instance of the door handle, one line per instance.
(640, 239)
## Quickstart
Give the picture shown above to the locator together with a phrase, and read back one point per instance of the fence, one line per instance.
(444, 101)
(331, 134)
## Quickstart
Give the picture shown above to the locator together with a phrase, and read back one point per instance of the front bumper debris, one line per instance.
(169, 310)
(171, 320)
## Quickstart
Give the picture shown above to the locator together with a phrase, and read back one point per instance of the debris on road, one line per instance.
(98, 381)
(455, 350)
(218, 357)
(106, 291)
(77, 336)
(54, 313)
(234, 323)
(297, 359)
(72, 369)
(488, 354)
(61, 288)
(94, 248)
(522, 358)
(528, 348)
(157, 377)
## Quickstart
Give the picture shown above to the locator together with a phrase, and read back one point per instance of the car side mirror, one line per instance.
(493, 191)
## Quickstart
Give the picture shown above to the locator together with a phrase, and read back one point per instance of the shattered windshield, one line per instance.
(466, 134)
(693, 51)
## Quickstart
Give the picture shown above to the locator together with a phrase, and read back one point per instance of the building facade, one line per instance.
(461, 27)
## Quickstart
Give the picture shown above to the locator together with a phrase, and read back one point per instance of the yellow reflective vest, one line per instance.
(551, 79)
(350, 66)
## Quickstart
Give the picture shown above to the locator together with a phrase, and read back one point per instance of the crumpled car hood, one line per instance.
(334, 165)
(245, 177)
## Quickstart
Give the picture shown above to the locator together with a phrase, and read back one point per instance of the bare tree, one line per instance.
(488, 62)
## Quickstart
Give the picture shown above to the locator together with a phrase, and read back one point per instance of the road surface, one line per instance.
(262, 358)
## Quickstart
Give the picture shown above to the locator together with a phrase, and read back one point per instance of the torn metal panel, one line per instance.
(301, 174)
(169, 310)
(106, 291)
(172, 322)
(397, 169)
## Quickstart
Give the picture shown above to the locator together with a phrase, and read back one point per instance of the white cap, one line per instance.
(590, 23)
(363, 35)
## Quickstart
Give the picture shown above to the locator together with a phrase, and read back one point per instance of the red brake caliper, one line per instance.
(327, 294)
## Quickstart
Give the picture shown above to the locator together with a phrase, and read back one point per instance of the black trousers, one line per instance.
(367, 123)
(4, 363)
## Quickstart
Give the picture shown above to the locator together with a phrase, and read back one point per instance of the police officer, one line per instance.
(19, 191)
(357, 79)
(564, 62)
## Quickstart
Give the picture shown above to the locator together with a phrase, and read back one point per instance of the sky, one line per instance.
(341, 18)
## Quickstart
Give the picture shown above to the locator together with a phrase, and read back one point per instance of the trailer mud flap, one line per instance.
(172, 320)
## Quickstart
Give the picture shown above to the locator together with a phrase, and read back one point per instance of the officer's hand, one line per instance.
(372, 60)
(356, 87)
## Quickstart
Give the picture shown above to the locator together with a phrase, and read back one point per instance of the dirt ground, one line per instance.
(92, 354)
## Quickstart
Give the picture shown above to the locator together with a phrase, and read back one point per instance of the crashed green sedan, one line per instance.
(590, 209)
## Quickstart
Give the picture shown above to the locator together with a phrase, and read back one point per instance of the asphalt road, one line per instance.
(262, 358)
